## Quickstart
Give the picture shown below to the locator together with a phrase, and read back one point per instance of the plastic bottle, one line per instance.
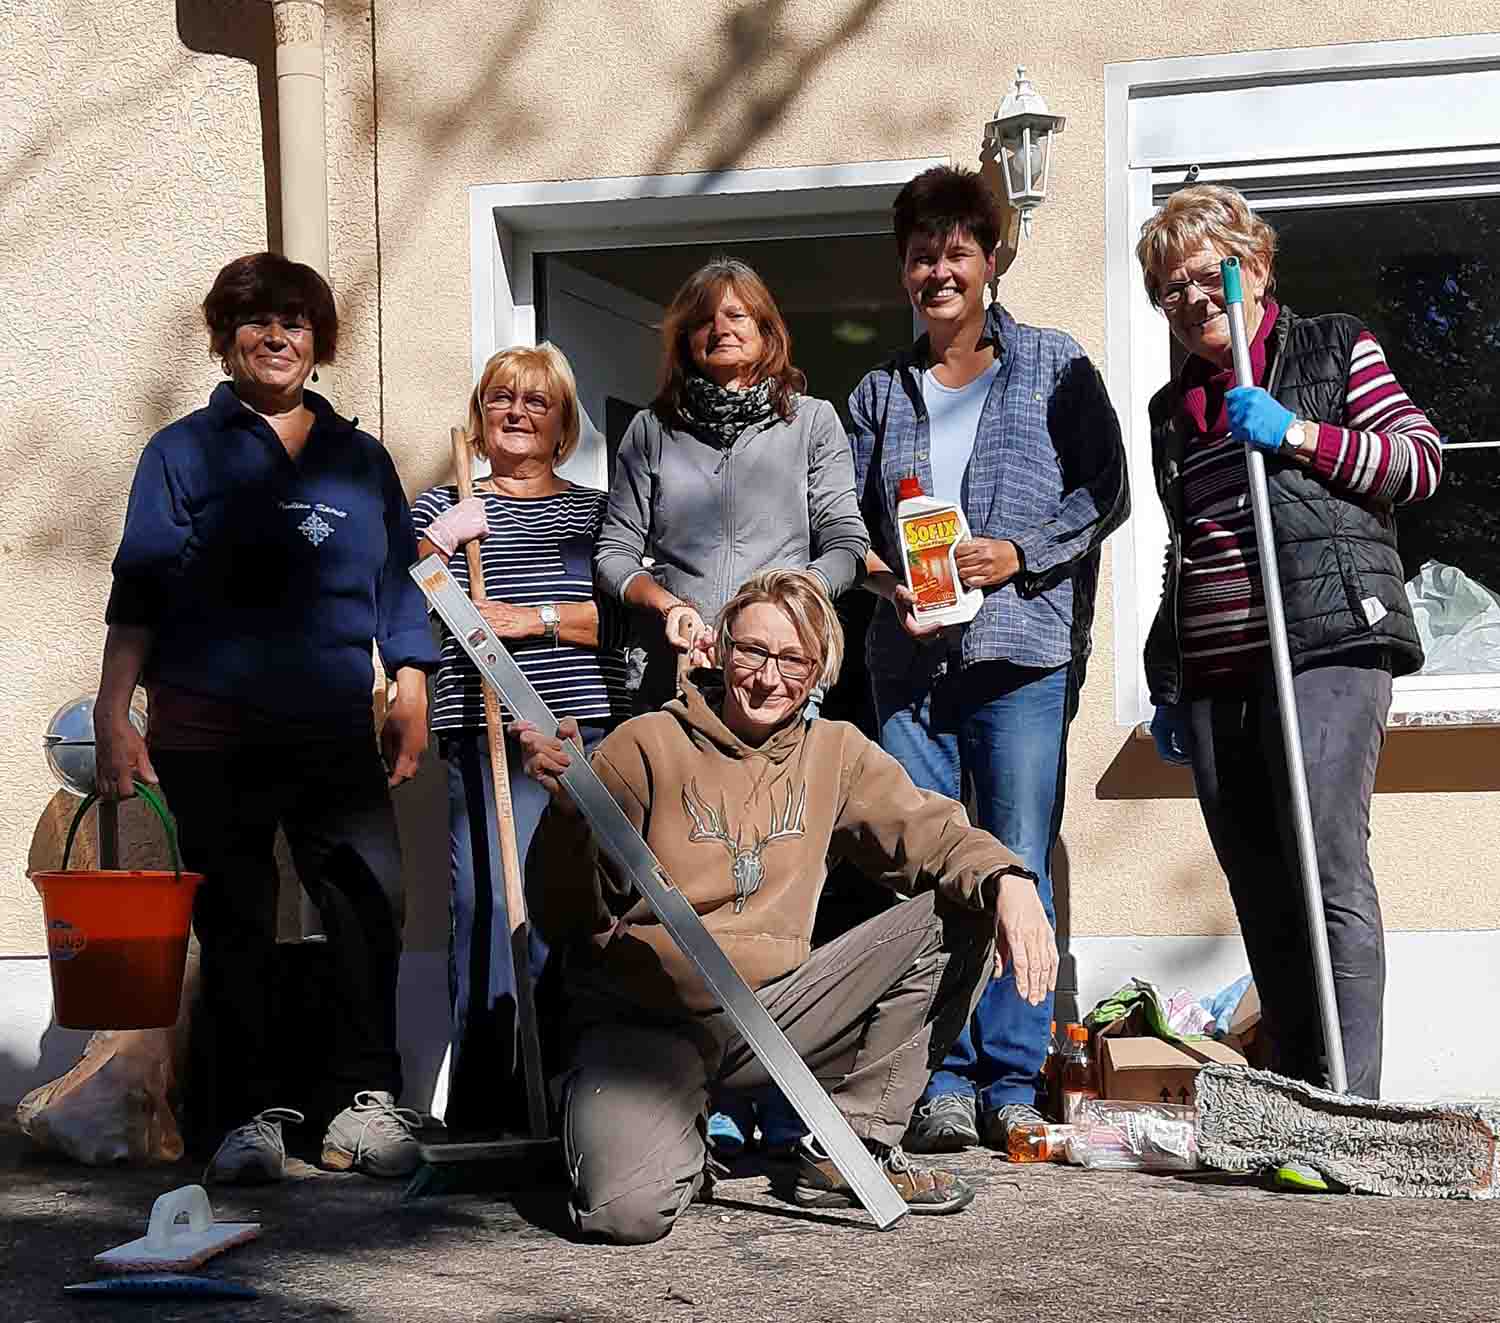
(929, 530)
(1078, 1084)
(1037, 1141)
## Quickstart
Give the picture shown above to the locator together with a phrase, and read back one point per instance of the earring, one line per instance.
(315, 374)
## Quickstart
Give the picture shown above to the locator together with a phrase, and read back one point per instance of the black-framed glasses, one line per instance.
(1210, 282)
(753, 658)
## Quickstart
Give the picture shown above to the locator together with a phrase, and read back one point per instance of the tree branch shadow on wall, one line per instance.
(760, 71)
(243, 30)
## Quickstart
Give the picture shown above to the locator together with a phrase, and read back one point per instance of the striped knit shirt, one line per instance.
(537, 550)
(1386, 451)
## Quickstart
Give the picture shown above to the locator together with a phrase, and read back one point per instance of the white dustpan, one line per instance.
(167, 1244)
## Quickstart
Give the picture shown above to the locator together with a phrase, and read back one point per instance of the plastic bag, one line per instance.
(114, 1106)
(1457, 619)
(1135, 1136)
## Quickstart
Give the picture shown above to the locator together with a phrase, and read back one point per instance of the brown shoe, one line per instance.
(925, 1189)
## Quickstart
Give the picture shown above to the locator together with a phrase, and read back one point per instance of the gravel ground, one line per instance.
(1039, 1242)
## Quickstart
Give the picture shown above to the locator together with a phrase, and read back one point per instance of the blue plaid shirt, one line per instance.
(1047, 473)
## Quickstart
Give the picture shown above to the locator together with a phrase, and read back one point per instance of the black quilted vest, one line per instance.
(1341, 579)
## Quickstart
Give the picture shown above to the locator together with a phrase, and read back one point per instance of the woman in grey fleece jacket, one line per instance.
(731, 471)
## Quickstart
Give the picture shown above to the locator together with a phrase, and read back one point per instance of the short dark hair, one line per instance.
(268, 283)
(943, 199)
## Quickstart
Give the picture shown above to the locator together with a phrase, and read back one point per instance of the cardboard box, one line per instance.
(1153, 1070)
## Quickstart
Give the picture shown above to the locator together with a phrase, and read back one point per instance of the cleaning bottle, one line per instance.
(929, 530)
(1078, 1084)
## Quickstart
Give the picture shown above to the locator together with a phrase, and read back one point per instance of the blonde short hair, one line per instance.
(1204, 213)
(801, 594)
(541, 367)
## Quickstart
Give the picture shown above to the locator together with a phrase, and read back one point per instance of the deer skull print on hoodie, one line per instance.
(745, 833)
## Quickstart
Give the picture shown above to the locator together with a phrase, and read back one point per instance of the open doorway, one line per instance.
(603, 307)
(843, 305)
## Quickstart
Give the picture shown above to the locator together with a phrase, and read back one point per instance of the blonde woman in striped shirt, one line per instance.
(1343, 446)
(538, 533)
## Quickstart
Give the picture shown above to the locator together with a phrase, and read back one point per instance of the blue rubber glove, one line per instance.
(1173, 734)
(1256, 417)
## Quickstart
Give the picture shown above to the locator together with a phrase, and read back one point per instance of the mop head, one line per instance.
(1249, 1120)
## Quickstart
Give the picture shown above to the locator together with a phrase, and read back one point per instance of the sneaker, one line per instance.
(997, 1123)
(925, 1189)
(373, 1136)
(943, 1124)
(1299, 1178)
(729, 1131)
(253, 1153)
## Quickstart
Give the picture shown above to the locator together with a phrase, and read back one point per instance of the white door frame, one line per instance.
(509, 224)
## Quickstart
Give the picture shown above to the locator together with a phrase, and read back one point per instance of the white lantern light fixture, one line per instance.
(1020, 136)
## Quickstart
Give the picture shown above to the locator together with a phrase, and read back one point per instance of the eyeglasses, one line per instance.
(1210, 282)
(752, 659)
(533, 402)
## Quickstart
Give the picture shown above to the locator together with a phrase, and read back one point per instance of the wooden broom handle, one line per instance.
(505, 822)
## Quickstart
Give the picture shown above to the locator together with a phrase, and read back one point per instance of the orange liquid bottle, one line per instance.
(929, 529)
(1079, 1086)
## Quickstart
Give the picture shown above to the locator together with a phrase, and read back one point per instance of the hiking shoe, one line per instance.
(373, 1136)
(925, 1189)
(253, 1153)
(943, 1124)
(997, 1123)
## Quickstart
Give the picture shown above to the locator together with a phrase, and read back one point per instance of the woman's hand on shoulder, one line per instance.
(686, 631)
(544, 758)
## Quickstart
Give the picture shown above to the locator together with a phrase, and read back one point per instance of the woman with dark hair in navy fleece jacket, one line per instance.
(265, 550)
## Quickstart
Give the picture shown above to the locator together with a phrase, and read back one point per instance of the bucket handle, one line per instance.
(152, 796)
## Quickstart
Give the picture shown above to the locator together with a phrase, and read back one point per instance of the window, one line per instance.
(1405, 235)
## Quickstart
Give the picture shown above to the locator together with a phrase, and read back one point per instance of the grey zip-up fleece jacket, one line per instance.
(781, 496)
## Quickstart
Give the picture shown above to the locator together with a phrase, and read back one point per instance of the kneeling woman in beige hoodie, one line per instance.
(744, 798)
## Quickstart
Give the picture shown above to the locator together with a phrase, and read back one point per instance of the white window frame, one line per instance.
(511, 224)
(1291, 128)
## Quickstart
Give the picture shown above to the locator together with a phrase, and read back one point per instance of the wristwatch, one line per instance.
(551, 621)
(1295, 439)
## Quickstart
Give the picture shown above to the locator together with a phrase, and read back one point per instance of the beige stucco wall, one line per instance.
(131, 167)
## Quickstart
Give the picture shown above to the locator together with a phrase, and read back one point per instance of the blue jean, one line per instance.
(481, 970)
(1002, 731)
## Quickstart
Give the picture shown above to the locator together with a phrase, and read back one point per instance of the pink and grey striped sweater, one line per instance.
(1386, 451)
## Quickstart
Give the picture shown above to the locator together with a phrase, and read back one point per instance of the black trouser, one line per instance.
(1239, 768)
(331, 799)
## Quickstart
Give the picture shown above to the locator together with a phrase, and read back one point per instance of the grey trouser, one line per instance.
(872, 1014)
(1240, 772)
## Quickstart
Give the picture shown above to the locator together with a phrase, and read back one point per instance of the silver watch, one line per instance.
(551, 621)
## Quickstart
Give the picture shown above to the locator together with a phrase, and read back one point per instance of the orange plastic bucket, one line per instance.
(117, 939)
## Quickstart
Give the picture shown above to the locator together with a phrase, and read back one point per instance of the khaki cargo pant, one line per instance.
(872, 1014)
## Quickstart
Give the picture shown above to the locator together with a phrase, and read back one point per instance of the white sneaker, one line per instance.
(253, 1153)
(373, 1136)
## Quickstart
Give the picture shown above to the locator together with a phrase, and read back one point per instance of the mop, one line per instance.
(1251, 1120)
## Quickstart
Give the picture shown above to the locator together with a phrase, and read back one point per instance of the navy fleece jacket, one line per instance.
(265, 579)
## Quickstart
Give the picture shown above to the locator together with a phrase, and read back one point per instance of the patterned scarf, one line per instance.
(722, 415)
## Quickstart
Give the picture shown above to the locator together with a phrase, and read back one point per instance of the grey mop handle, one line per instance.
(1281, 657)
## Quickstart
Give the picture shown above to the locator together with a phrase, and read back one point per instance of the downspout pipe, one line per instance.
(304, 154)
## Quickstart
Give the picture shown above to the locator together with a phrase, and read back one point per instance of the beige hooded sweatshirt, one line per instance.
(746, 835)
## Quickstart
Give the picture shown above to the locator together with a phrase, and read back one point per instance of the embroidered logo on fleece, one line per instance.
(315, 528)
(710, 824)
